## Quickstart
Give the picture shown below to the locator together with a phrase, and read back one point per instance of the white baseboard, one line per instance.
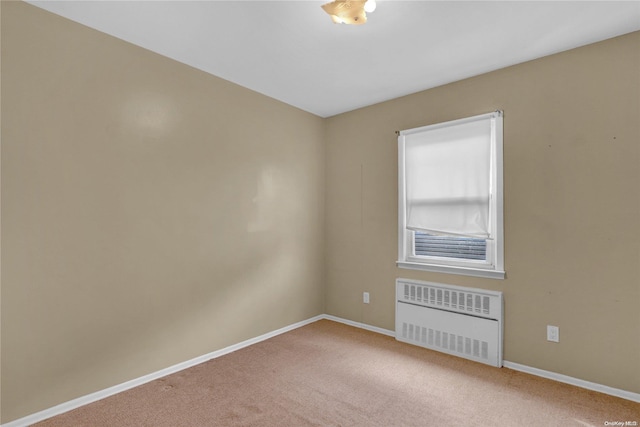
(360, 325)
(573, 381)
(93, 397)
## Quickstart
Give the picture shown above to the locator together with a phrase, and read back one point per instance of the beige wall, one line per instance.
(572, 204)
(151, 213)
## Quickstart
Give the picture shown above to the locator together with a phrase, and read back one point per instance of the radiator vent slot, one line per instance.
(470, 301)
(451, 343)
(461, 321)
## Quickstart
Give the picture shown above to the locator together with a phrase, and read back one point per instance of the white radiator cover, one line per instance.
(465, 322)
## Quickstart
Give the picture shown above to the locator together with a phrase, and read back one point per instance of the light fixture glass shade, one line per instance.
(370, 6)
(347, 11)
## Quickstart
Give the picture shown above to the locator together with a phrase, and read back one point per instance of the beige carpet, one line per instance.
(330, 374)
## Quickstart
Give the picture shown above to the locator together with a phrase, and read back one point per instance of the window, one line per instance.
(450, 197)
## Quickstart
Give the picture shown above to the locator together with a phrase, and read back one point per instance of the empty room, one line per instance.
(301, 213)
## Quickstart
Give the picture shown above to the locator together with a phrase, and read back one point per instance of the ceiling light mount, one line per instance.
(353, 12)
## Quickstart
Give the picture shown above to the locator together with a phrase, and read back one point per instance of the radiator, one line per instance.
(465, 322)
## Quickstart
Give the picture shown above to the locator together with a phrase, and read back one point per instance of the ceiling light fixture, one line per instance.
(349, 11)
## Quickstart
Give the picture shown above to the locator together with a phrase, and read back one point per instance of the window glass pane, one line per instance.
(449, 247)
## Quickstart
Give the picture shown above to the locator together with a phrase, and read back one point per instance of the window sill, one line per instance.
(465, 271)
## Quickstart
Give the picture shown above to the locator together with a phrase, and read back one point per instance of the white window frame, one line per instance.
(493, 267)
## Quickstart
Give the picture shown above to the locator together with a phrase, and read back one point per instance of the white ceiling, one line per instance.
(291, 51)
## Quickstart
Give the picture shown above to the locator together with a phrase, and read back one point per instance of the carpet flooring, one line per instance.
(331, 374)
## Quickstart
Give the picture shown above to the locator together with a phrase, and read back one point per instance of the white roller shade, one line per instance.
(448, 177)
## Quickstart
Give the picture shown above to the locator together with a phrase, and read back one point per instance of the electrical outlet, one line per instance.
(553, 333)
(365, 297)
